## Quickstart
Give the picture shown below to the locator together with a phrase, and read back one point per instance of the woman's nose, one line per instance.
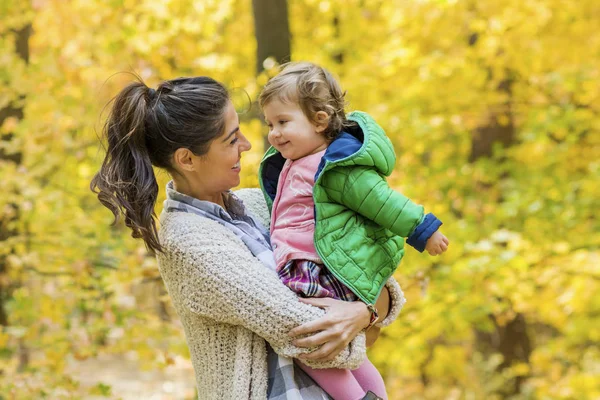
(245, 145)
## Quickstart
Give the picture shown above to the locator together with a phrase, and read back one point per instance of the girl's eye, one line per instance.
(282, 122)
(234, 141)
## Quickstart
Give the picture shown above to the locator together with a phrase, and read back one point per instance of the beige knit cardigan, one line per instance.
(229, 304)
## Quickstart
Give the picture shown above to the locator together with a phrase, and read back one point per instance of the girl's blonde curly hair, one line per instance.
(314, 89)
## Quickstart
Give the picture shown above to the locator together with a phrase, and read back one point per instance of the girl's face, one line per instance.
(219, 169)
(291, 132)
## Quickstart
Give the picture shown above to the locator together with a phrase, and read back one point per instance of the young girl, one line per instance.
(337, 229)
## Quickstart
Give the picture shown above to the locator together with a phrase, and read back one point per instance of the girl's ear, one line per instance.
(322, 121)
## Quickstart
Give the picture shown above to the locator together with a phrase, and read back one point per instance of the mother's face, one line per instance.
(219, 169)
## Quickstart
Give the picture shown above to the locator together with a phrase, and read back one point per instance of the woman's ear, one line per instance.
(322, 121)
(183, 159)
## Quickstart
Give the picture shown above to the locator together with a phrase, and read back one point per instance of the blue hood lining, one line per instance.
(343, 146)
(270, 174)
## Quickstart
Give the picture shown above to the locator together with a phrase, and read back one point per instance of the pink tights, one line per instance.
(345, 384)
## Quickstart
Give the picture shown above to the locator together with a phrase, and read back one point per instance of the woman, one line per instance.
(241, 323)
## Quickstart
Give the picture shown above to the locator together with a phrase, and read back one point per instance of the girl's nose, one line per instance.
(275, 132)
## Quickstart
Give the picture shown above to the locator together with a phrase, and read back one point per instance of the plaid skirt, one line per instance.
(309, 279)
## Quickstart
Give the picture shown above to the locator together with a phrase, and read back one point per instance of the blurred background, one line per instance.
(494, 110)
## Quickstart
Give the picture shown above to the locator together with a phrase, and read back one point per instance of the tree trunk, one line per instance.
(272, 31)
(338, 55)
(12, 110)
(510, 340)
(499, 128)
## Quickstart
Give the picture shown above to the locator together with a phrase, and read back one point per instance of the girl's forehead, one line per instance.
(279, 106)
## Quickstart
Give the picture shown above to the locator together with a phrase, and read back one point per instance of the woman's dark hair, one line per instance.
(144, 128)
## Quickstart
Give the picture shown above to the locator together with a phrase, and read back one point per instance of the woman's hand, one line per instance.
(342, 322)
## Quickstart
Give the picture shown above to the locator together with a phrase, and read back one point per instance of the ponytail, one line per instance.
(126, 184)
(144, 128)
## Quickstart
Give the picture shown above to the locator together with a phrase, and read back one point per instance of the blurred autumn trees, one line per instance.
(493, 108)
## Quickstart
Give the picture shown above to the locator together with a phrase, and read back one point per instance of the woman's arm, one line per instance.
(390, 302)
(221, 280)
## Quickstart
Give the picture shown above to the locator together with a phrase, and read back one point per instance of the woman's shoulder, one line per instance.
(255, 204)
(182, 229)
(181, 221)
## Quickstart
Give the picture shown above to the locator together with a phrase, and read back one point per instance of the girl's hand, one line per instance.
(342, 322)
(437, 244)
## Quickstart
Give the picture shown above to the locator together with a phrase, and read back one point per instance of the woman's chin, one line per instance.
(236, 181)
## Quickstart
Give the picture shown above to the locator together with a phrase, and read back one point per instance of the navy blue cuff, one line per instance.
(418, 239)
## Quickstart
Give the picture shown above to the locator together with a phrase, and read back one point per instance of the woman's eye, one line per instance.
(282, 122)
(234, 141)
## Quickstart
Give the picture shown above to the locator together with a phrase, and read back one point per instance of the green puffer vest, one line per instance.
(360, 222)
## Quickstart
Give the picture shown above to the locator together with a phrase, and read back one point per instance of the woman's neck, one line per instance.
(183, 185)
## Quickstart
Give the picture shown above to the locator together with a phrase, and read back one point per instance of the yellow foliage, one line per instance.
(523, 222)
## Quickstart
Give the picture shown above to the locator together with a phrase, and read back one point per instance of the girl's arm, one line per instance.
(368, 193)
(221, 280)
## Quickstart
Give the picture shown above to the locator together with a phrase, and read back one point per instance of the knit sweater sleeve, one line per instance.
(221, 280)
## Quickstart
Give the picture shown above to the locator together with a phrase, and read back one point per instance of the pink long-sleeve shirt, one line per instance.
(293, 218)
